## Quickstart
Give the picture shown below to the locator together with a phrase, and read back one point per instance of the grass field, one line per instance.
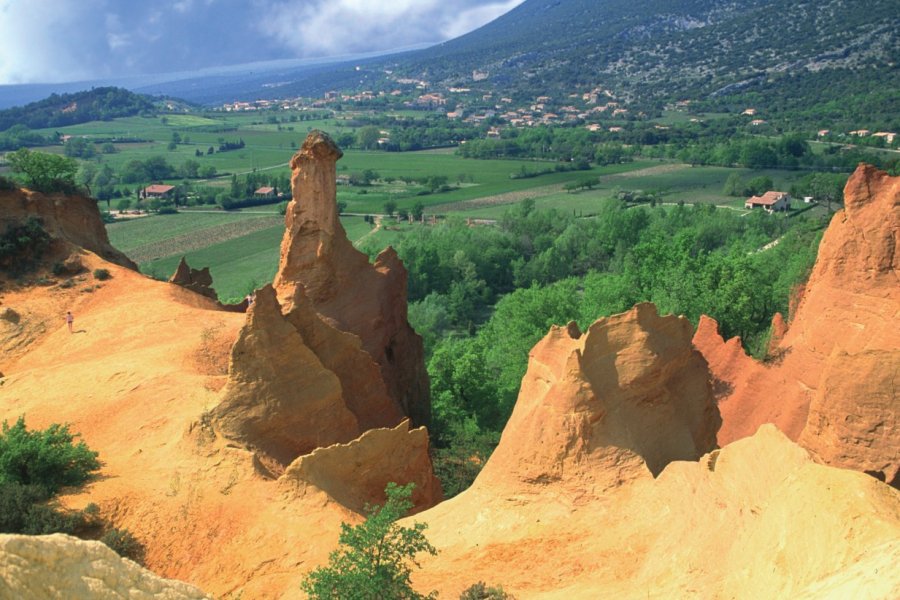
(240, 248)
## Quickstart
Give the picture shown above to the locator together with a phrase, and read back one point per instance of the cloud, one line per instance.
(68, 40)
(331, 27)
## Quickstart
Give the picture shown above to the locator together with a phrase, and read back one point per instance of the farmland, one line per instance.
(241, 247)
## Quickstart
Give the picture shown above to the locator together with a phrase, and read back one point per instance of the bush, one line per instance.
(124, 544)
(22, 245)
(480, 591)
(101, 274)
(48, 458)
(167, 210)
(374, 559)
(22, 511)
(16, 500)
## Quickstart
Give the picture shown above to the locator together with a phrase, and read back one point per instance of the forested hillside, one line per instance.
(98, 104)
(651, 51)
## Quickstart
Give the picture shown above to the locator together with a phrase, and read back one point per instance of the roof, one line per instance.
(264, 190)
(767, 199)
(158, 189)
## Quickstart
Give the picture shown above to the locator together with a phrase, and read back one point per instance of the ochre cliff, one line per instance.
(598, 489)
(69, 218)
(592, 406)
(831, 382)
(368, 301)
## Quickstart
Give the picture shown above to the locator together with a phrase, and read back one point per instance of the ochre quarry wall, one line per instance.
(831, 384)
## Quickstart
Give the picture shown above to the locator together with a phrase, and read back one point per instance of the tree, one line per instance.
(44, 172)
(376, 557)
(389, 207)
(367, 137)
(828, 187)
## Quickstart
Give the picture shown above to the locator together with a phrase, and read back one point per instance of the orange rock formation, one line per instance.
(595, 489)
(606, 481)
(831, 383)
(72, 220)
(318, 261)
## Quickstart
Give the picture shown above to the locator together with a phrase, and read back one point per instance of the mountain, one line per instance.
(655, 51)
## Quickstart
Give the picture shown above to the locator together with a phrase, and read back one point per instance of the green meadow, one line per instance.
(241, 247)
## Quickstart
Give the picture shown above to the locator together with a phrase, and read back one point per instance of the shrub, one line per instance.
(480, 591)
(124, 544)
(167, 210)
(22, 245)
(16, 500)
(374, 559)
(22, 511)
(101, 274)
(48, 458)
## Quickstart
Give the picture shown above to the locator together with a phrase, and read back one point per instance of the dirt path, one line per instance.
(372, 232)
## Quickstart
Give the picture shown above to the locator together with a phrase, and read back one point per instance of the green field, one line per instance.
(239, 263)
(241, 247)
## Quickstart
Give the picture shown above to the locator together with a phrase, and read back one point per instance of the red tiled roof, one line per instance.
(158, 189)
(767, 199)
(264, 190)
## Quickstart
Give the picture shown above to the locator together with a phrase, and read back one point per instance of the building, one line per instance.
(770, 202)
(265, 192)
(157, 191)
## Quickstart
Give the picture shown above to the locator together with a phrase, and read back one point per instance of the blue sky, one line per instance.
(69, 40)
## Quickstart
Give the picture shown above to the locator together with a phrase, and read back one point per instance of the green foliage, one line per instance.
(101, 274)
(460, 453)
(50, 458)
(480, 591)
(44, 172)
(57, 110)
(375, 559)
(22, 246)
(124, 544)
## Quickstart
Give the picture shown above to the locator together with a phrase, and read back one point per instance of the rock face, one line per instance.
(72, 219)
(57, 566)
(368, 301)
(617, 403)
(596, 489)
(832, 384)
(355, 474)
(280, 399)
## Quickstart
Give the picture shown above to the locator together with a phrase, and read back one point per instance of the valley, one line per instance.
(596, 300)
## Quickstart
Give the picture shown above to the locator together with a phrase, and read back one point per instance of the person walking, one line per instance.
(69, 320)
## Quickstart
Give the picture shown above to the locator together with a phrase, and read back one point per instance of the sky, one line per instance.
(51, 41)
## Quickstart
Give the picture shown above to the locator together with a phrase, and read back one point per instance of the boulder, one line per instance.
(61, 566)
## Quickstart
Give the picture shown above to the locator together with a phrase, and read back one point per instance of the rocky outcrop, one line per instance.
(619, 402)
(319, 265)
(196, 280)
(831, 380)
(355, 474)
(72, 219)
(280, 400)
(57, 566)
